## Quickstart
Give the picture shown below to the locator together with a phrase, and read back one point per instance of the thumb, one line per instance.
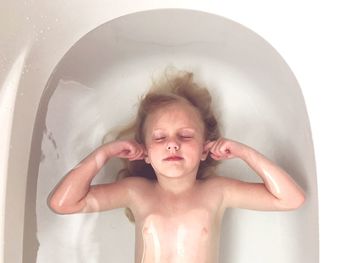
(208, 145)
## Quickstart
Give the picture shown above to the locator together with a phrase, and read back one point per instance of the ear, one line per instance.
(206, 150)
(145, 154)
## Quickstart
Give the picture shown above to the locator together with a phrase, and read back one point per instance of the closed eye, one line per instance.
(186, 137)
(159, 139)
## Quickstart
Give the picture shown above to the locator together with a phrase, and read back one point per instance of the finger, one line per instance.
(126, 153)
(139, 156)
(225, 148)
(213, 146)
(215, 157)
(209, 145)
(218, 149)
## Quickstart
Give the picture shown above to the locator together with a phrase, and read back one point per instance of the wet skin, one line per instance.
(180, 219)
(171, 228)
(177, 217)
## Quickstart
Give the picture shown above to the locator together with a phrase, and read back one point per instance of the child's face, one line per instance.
(174, 140)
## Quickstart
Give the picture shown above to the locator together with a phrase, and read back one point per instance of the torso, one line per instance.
(175, 230)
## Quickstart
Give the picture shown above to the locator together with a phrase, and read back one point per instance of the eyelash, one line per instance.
(181, 136)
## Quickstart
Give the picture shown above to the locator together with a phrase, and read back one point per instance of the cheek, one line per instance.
(195, 149)
(152, 150)
(152, 147)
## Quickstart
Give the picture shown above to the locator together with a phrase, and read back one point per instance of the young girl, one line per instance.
(169, 185)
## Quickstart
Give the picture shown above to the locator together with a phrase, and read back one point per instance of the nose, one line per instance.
(173, 145)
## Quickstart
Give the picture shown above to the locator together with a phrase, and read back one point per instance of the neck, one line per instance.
(178, 185)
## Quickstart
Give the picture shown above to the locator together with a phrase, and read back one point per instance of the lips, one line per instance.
(173, 158)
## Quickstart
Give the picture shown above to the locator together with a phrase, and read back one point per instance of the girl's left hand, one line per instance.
(222, 149)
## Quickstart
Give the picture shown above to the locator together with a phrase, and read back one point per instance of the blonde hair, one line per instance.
(173, 87)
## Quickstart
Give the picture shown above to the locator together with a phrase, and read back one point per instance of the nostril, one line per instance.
(175, 147)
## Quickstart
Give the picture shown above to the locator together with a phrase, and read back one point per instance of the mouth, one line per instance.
(173, 158)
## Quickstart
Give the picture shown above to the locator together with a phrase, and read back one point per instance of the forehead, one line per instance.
(177, 114)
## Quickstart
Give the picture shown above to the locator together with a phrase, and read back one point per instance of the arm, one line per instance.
(278, 192)
(75, 194)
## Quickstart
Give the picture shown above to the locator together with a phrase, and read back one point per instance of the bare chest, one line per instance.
(188, 235)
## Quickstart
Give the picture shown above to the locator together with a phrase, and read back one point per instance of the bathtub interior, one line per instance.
(96, 87)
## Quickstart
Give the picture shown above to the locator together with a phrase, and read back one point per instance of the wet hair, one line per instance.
(173, 87)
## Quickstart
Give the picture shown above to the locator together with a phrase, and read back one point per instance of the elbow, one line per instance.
(293, 203)
(298, 201)
(57, 207)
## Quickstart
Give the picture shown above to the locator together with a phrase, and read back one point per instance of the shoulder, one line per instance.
(217, 190)
(222, 186)
(124, 192)
(121, 193)
(217, 181)
(125, 189)
(219, 185)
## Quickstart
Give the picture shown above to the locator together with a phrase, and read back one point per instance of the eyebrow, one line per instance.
(188, 129)
(180, 129)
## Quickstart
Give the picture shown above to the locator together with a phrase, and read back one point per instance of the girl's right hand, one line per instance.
(128, 149)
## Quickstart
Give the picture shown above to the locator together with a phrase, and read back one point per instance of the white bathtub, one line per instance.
(56, 106)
